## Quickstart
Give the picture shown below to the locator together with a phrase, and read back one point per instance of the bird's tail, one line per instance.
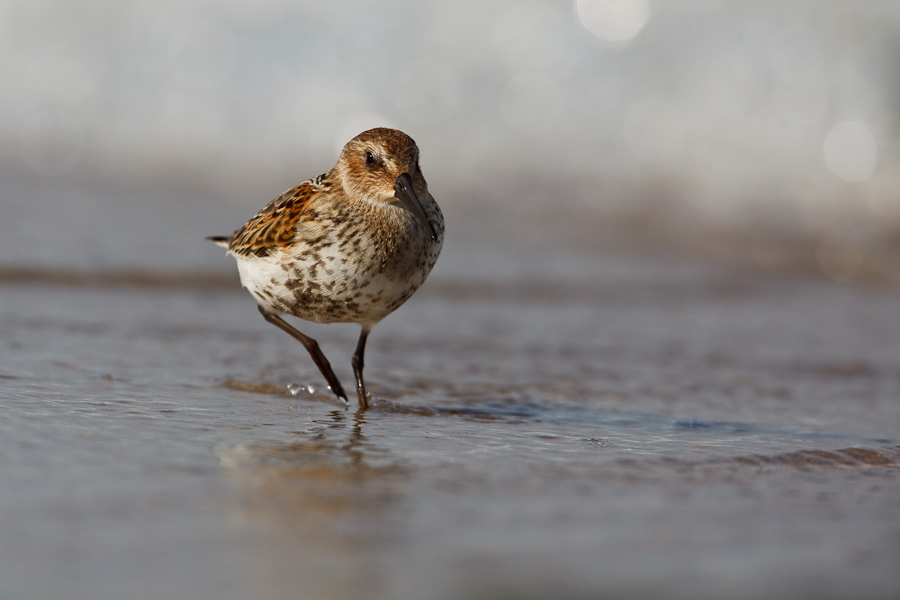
(221, 240)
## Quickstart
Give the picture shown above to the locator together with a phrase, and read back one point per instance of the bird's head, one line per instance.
(382, 165)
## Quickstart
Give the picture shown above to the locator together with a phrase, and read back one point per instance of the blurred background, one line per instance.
(631, 370)
(764, 131)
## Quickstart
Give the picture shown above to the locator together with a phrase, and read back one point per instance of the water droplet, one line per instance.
(599, 442)
(295, 388)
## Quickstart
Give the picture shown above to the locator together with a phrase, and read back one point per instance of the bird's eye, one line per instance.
(370, 158)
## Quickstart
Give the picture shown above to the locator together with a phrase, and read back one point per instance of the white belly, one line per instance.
(325, 292)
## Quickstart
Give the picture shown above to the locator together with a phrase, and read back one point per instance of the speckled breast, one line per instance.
(337, 283)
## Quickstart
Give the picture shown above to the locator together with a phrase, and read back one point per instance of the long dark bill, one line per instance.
(407, 195)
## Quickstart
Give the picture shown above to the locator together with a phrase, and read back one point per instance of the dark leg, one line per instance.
(358, 364)
(313, 348)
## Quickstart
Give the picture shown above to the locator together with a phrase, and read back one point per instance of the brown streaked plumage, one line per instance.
(275, 226)
(349, 246)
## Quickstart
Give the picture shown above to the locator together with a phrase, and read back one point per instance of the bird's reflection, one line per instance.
(332, 466)
(315, 505)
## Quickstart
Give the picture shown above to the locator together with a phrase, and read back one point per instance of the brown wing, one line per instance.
(275, 226)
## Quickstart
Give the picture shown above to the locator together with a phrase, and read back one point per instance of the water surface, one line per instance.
(671, 429)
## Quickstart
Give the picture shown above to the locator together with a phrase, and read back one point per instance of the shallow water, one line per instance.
(677, 429)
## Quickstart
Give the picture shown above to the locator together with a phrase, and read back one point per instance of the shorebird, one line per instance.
(348, 246)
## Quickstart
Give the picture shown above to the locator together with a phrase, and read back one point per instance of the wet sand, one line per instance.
(598, 424)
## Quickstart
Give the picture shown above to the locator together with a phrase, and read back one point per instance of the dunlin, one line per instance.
(349, 246)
